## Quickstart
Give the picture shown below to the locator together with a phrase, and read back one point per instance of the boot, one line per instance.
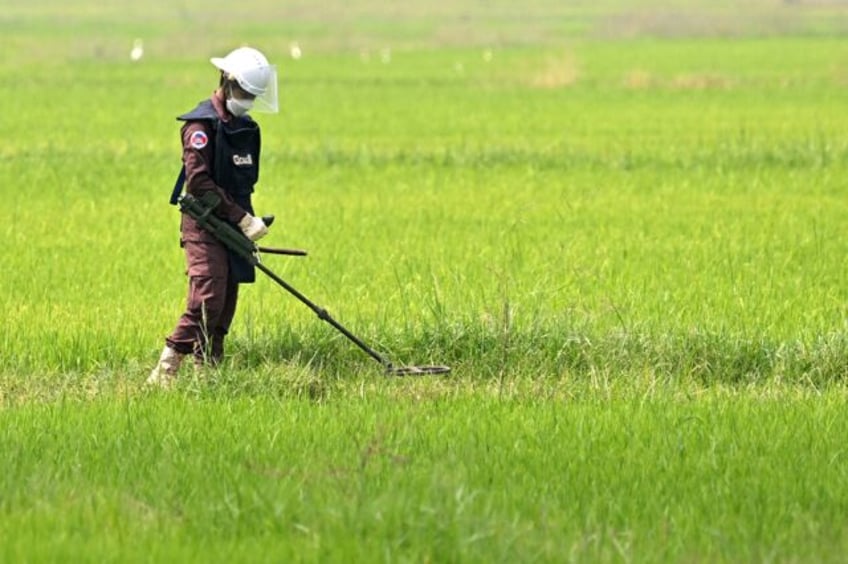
(165, 372)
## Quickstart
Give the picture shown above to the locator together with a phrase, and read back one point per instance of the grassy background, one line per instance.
(623, 226)
(671, 201)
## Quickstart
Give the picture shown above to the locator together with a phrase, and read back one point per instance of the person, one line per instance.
(220, 153)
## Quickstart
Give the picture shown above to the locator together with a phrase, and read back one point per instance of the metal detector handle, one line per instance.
(202, 208)
(290, 252)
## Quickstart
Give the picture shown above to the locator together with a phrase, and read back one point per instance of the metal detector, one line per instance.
(201, 210)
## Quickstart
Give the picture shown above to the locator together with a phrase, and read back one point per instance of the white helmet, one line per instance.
(254, 74)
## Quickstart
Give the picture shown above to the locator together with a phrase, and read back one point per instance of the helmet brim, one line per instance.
(266, 99)
(219, 62)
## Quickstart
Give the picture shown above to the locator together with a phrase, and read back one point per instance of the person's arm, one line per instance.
(198, 142)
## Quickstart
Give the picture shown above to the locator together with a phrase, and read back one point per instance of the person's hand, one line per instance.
(252, 227)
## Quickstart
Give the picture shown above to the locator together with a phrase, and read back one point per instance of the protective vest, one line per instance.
(235, 168)
(237, 146)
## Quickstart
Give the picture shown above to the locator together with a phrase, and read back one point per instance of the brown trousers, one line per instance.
(211, 303)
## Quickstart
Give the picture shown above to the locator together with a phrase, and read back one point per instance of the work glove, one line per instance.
(252, 227)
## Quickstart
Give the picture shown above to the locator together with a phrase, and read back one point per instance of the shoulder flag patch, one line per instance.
(198, 139)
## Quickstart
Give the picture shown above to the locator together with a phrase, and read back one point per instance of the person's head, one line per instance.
(247, 81)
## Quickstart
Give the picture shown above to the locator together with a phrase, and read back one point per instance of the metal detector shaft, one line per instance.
(322, 314)
(202, 208)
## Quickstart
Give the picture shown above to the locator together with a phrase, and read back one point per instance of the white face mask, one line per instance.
(239, 107)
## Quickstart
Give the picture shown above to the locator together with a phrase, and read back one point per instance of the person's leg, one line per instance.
(208, 272)
(225, 320)
(202, 317)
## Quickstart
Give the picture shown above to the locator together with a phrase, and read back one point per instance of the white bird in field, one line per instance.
(137, 51)
(294, 50)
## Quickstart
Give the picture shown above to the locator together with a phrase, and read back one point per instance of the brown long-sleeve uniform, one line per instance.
(213, 292)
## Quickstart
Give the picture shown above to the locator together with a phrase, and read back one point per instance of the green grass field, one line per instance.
(623, 226)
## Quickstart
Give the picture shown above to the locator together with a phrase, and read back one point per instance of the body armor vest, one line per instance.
(235, 167)
(237, 146)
